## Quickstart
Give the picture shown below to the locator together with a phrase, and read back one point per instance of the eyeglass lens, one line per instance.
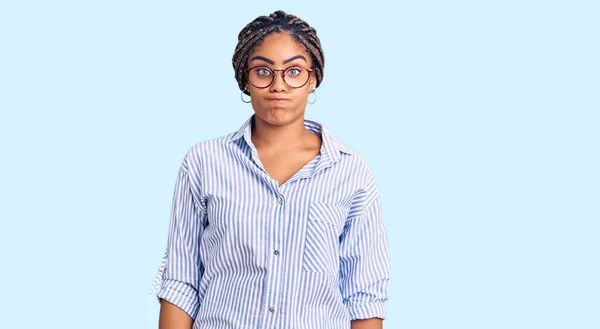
(262, 77)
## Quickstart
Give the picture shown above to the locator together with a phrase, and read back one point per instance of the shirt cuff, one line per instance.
(180, 295)
(367, 310)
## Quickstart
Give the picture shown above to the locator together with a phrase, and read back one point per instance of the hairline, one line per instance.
(280, 29)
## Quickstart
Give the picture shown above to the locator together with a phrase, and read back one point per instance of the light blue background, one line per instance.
(480, 119)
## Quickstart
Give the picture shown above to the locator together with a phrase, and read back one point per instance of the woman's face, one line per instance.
(278, 103)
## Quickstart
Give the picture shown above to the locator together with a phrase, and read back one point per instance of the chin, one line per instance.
(277, 116)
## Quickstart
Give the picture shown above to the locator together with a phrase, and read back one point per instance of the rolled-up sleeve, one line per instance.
(364, 259)
(178, 276)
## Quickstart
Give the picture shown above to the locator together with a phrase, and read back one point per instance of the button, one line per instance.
(280, 201)
(276, 252)
(161, 269)
(271, 309)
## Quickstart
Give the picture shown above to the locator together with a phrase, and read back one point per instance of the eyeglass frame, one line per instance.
(282, 75)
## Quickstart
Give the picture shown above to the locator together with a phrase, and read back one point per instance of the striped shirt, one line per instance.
(246, 253)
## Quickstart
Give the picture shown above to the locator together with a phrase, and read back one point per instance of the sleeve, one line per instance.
(178, 276)
(364, 258)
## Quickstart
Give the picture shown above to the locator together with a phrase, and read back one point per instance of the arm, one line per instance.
(364, 260)
(372, 323)
(172, 317)
(182, 268)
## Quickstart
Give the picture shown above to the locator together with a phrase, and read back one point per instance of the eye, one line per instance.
(293, 71)
(262, 71)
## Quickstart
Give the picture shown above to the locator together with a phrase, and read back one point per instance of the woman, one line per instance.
(277, 225)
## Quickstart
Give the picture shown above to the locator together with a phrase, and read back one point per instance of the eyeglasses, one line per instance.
(293, 76)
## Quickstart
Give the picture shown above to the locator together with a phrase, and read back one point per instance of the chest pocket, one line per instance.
(323, 228)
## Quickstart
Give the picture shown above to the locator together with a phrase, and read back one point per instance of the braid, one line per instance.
(253, 34)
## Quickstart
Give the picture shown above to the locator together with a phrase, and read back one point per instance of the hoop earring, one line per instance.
(242, 97)
(314, 99)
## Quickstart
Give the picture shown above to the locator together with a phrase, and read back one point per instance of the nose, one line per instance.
(278, 85)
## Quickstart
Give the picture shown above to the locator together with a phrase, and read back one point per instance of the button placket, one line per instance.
(274, 299)
(276, 252)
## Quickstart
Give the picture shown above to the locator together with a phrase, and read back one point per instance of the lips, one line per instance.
(277, 100)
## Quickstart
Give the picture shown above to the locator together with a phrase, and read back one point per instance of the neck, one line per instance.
(285, 137)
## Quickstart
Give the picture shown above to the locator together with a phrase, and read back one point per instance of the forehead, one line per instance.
(279, 47)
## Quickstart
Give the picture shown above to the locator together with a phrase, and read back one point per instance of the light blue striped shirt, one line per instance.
(246, 253)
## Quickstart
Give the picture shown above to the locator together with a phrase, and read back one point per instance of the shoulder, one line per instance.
(360, 168)
(198, 153)
(349, 158)
(201, 149)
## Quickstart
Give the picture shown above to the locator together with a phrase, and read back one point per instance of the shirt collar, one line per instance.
(331, 146)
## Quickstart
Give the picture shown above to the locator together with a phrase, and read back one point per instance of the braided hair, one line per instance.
(255, 32)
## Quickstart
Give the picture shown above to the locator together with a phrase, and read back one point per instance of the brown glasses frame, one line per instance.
(282, 75)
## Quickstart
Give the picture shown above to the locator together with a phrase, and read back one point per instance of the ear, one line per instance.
(312, 82)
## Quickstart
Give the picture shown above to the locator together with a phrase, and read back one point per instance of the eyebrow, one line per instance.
(272, 62)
